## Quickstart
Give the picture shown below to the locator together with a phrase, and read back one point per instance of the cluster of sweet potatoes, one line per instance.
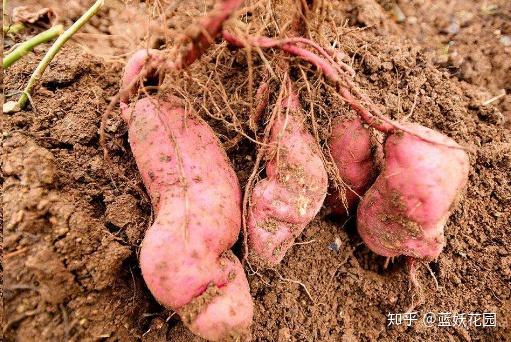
(404, 211)
(402, 193)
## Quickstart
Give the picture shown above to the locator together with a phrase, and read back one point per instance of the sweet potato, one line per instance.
(185, 257)
(405, 210)
(354, 152)
(293, 191)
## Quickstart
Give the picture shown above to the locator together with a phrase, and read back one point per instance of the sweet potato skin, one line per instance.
(139, 60)
(405, 210)
(293, 192)
(355, 152)
(185, 257)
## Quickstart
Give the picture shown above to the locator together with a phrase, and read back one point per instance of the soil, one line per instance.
(73, 220)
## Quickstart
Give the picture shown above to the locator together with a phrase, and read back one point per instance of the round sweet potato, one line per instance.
(405, 210)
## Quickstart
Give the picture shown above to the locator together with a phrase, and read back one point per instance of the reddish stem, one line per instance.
(203, 34)
(262, 99)
(371, 116)
(289, 46)
(326, 66)
(314, 59)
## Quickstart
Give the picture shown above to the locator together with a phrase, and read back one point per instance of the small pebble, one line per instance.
(10, 107)
(455, 279)
(336, 245)
(412, 20)
(505, 40)
(453, 28)
(387, 66)
(399, 16)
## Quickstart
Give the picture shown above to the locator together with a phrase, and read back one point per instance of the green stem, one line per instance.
(14, 28)
(55, 48)
(30, 44)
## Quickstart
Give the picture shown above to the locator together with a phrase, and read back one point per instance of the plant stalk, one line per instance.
(27, 46)
(14, 28)
(55, 48)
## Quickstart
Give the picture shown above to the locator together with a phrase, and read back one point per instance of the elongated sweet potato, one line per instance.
(293, 192)
(355, 154)
(405, 210)
(185, 257)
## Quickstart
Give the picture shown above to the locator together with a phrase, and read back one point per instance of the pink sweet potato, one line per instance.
(293, 192)
(354, 152)
(185, 257)
(405, 210)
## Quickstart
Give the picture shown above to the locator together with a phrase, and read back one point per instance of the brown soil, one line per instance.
(73, 222)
